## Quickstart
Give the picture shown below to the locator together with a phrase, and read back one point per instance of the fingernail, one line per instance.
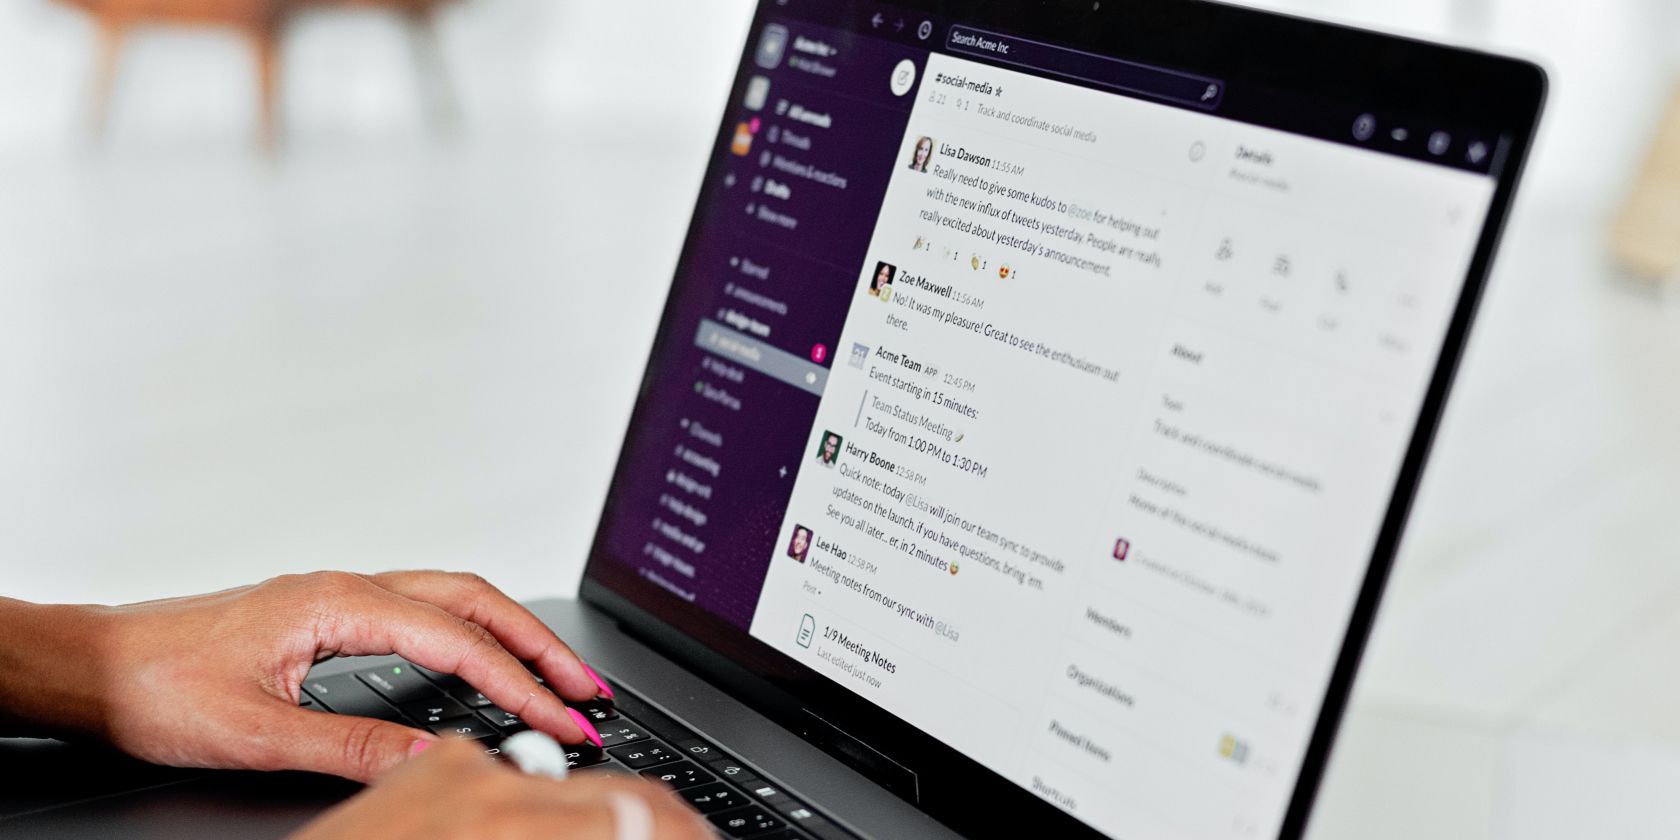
(584, 724)
(418, 748)
(606, 690)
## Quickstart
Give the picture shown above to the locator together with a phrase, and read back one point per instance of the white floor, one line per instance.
(388, 348)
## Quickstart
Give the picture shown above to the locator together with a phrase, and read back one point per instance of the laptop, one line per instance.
(1029, 432)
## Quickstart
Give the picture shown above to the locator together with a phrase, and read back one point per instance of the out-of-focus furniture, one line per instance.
(261, 21)
(1646, 238)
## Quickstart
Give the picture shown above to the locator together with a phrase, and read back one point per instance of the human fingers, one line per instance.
(600, 808)
(450, 791)
(285, 737)
(472, 598)
(436, 789)
(362, 618)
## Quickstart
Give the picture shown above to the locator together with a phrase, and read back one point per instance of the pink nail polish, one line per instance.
(584, 724)
(606, 690)
(418, 748)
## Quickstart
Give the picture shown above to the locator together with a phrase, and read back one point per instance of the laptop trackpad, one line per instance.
(55, 789)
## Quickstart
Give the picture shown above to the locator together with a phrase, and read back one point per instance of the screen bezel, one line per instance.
(1393, 74)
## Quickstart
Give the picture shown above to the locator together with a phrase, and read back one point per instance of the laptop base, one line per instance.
(79, 791)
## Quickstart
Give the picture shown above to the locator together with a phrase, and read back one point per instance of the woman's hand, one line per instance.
(454, 791)
(212, 680)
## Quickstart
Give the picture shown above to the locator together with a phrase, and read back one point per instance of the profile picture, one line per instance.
(1122, 547)
(881, 284)
(828, 452)
(800, 544)
(921, 155)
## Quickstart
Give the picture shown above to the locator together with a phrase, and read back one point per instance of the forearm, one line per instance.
(52, 680)
(212, 680)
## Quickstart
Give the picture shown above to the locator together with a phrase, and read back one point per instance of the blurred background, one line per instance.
(406, 331)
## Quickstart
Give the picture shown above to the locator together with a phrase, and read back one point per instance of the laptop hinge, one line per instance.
(860, 756)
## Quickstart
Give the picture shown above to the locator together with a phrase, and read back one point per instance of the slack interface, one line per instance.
(1058, 422)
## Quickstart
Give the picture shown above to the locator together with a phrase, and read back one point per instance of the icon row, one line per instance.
(924, 30)
(1283, 265)
(1366, 126)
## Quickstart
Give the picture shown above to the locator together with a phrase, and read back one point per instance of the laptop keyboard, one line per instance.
(636, 740)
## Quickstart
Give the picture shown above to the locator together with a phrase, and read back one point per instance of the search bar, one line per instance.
(1141, 79)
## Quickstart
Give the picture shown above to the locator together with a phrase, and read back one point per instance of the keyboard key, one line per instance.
(584, 755)
(399, 683)
(644, 754)
(305, 701)
(745, 782)
(492, 746)
(680, 775)
(607, 770)
(825, 830)
(697, 749)
(470, 727)
(620, 732)
(472, 697)
(505, 721)
(767, 793)
(712, 798)
(745, 821)
(732, 770)
(428, 712)
(784, 834)
(656, 721)
(597, 711)
(794, 810)
(346, 695)
(439, 678)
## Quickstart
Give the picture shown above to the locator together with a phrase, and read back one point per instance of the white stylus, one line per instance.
(537, 754)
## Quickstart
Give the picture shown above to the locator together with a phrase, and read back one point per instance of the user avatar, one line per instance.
(881, 285)
(829, 452)
(1122, 547)
(800, 544)
(923, 153)
(860, 355)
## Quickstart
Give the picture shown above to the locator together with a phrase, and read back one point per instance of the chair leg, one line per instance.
(436, 89)
(111, 33)
(265, 41)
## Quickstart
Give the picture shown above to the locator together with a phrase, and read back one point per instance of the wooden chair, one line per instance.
(1646, 236)
(263, 23)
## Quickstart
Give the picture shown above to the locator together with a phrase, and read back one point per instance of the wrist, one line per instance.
(53, 675)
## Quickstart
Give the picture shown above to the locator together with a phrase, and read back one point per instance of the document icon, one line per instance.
(807, 630)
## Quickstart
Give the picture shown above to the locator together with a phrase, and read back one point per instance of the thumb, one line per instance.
(357, 748)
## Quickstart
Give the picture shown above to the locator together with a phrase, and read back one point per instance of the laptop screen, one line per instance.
(1050, 401)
